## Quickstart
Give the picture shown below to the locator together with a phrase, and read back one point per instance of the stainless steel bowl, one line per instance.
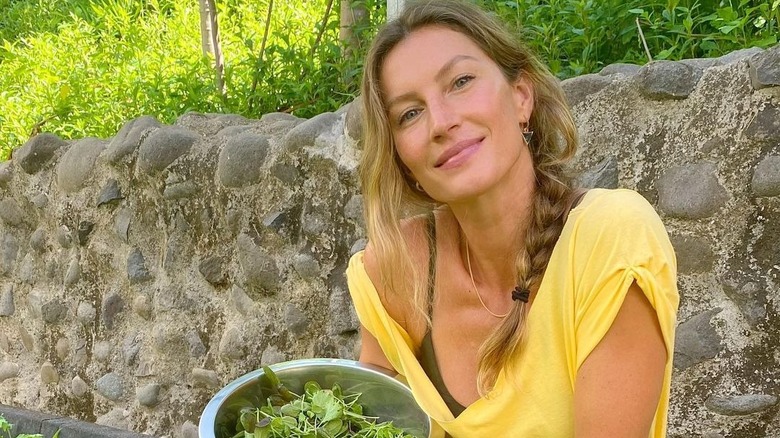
(382, 395)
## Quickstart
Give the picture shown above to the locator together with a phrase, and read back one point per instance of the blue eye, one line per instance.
(409, 115)
(462, 81)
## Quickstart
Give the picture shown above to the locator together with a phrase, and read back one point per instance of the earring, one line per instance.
(418, 187)
(527, 134)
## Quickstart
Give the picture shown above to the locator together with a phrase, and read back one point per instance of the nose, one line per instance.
(442, 117)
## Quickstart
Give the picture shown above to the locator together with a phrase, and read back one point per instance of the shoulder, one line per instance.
(620, 221)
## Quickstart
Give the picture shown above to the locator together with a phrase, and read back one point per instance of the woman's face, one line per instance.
(455, 118)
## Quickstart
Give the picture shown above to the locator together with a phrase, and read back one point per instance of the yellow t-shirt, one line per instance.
(612, 238)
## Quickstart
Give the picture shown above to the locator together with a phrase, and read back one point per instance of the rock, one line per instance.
(344, 320)
(241, 160)
(765, 69)
(691, 191)
(65, 237)
(212, 270)
(240, 300)
(696, 340)
(62, 348)
(38, 240)
(766, 178)
(128, 139)
(620, 69)
(182, 190)
(40, 200)
(49, 374)
(231, 345)
(73, 273)
(83, 232)
(305, 134)
(358, 246)
(86, 313)
(27, 272)
(11, 214)
(661, 80)
(272, 355)
(53, 312)
(5, 344)
(136, 267)
(189, 430)
(75, 166)
(295, 320)
(7, 301)
(130, 347)
(285, 173)
(739, 55)
(603, 175)
(142, 307)
(116, 418)
(354, 208)
(9, 250)
(196, 347)
(163, 146)
(578, 88)
(78, 387)
(694, 254)
(306, 266)
(148, 395)
(205, 378)
(122, 224)
(36, 153)
(6, 173)
(740, 404)
(110, 194)
(27, 340)
(80, 353)
(8, 370)
(749, 296)
(353, 125)
(110, 386)
(259, 267)
(112, 305)
(702, 63)
(765, 126)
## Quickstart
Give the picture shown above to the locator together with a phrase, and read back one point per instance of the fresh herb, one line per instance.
(318, 412)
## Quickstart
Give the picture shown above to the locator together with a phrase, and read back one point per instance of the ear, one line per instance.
(523, 94)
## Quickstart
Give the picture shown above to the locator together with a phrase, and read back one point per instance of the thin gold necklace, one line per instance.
(471, 275)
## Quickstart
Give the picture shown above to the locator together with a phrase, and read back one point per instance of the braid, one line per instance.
(540, 238)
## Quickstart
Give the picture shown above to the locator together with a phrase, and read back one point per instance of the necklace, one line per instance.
(471, 275)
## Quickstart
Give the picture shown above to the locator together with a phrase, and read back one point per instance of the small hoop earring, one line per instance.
(527, 134)
(418, 187)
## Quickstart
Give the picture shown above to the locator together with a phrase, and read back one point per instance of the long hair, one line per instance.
(389, 192)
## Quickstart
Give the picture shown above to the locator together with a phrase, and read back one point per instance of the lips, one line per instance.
(460, 147)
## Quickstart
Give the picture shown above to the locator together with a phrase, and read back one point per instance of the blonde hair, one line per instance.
(389, 191)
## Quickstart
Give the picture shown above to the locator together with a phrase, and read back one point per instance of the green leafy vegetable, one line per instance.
(317, 413)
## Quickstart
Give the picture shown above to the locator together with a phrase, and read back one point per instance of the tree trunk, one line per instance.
(394, 8)
(209, 39)
(353, 15)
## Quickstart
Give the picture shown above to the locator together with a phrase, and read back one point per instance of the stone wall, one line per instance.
(140, 274)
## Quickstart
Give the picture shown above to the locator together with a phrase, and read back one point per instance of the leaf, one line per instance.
(727, 29)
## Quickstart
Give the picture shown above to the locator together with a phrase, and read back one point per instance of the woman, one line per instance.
(509, 310)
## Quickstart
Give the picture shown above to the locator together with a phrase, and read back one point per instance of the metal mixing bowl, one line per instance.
(382, 395)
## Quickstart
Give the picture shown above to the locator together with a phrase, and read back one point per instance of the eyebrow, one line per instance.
(442, 72)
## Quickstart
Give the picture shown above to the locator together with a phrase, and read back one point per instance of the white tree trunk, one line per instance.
(394, 8)
(209, 39)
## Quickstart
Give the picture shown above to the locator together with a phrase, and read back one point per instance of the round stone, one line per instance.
(205, 378)
(62, 348)
(148, 395)
(78, 387)
(8, 370)
(86, 313)
(142, 306)
(101, 351)
(49, 374)
(110, 386)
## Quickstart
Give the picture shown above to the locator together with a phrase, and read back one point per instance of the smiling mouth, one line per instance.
(452, 156)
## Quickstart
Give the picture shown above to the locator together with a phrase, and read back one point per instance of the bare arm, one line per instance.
(370, 352)
(619, 385)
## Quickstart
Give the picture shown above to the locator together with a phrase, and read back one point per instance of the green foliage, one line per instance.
(582, 36)
(81, 68)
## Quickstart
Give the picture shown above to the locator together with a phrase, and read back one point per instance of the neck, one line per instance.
(494, 225)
